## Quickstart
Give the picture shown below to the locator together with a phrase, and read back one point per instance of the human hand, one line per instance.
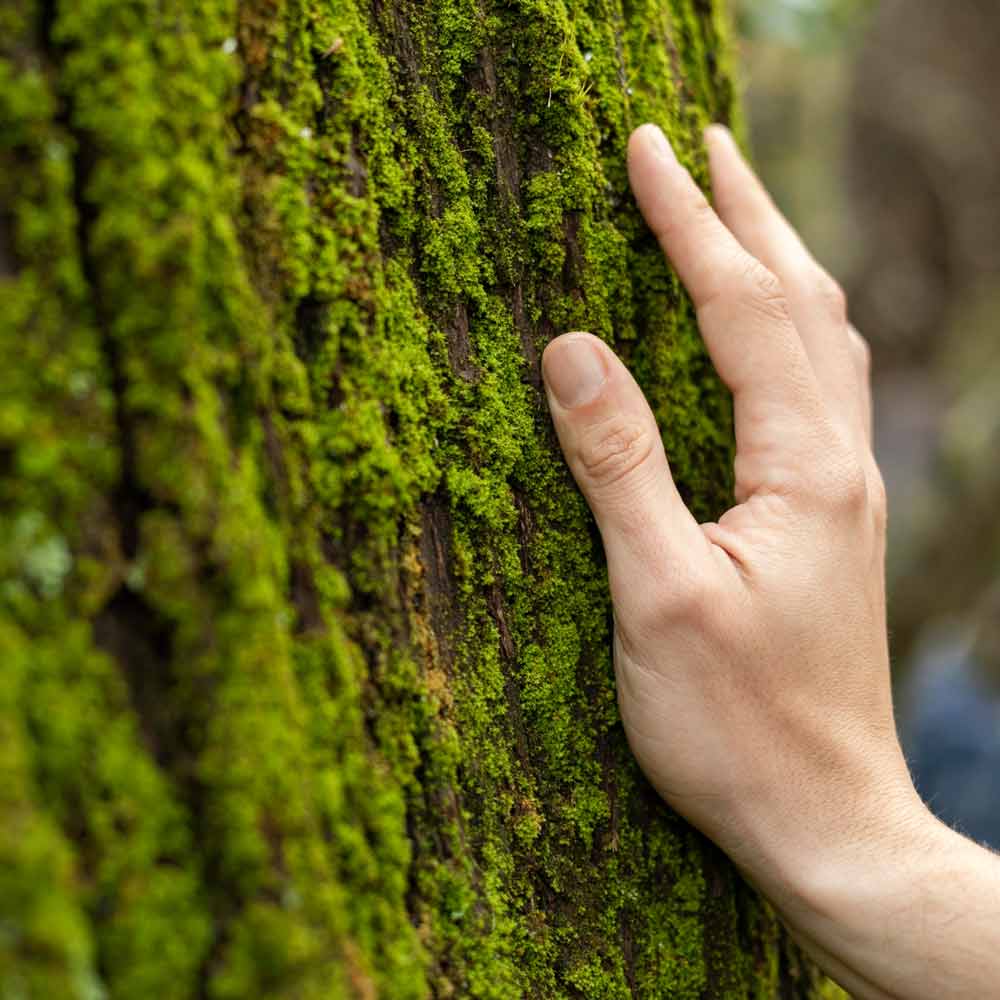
(751, 655)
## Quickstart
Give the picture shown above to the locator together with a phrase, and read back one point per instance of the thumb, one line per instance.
(614, 450)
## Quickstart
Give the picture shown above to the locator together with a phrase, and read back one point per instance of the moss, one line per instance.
(311, 692)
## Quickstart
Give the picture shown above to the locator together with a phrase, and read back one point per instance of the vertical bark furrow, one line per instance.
(308, 689)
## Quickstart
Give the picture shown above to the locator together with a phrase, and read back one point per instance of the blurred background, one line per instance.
(876, 125)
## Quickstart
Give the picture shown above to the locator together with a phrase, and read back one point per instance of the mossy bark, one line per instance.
(305, 686)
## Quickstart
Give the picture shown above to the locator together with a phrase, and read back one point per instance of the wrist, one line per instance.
(857, 901)
(873, 861)
(816, 858)
(801, 836)
(915, 917)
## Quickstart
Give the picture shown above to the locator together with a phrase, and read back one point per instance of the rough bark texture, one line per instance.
(305, 685)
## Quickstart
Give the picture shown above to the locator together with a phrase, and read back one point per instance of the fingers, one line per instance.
(614, 450)
(817, 305)
(742, 310)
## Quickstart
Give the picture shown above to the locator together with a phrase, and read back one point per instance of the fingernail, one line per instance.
(575, 371)
(659, 143)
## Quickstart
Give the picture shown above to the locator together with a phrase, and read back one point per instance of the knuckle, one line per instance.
(701, 208)
(877, 499)
(764, 292)
(848, 491)
(615, 450)
(831, 297)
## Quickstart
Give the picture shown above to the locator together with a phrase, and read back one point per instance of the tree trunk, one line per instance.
(306, 686)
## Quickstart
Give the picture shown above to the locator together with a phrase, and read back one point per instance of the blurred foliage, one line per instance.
(809, 24)
(925, 198)
(797, 57)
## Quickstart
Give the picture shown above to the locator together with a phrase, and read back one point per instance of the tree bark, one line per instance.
(306, 685)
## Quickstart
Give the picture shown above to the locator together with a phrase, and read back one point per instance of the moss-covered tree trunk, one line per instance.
(305, 688)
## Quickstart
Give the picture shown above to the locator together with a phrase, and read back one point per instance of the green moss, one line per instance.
(311, 691)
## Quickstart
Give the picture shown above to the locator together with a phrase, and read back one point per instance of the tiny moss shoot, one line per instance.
(306, 686)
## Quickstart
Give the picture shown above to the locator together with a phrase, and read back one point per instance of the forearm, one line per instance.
(915, 919)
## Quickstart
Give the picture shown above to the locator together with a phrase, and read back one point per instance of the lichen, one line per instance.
(307, 686)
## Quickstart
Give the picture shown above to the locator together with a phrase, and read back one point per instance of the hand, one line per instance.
(751, 655)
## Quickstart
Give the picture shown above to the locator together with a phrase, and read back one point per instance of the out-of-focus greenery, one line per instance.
(797, 60)
(804, 23)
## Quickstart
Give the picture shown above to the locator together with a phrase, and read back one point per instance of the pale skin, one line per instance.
(751, 654)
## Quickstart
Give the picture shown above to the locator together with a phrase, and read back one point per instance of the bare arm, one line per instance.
(751, 654)
(913, 915)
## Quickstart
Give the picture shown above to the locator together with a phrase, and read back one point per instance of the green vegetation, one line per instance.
(813, 25)
(307, 688)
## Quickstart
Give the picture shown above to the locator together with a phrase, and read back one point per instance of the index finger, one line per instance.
(742, 310)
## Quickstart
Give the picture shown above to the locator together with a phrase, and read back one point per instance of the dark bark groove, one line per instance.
(307, 689)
